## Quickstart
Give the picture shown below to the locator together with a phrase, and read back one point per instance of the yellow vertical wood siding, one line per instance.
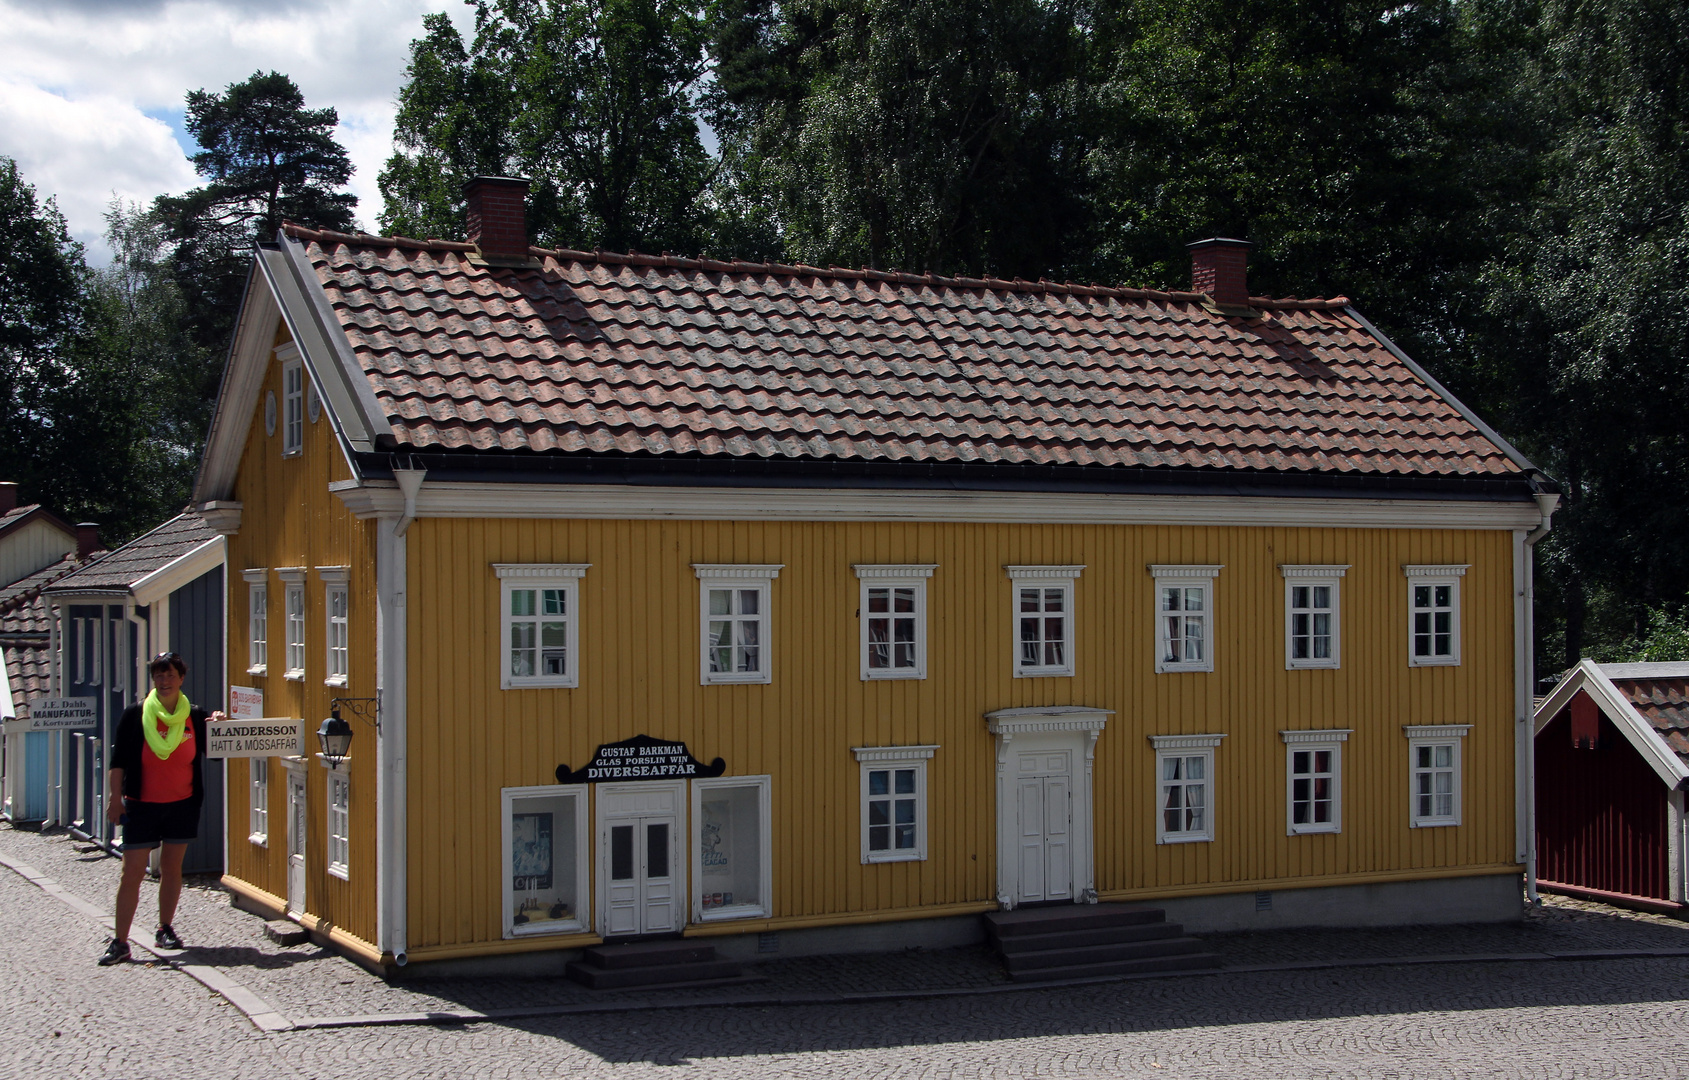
(289, 518)
(639, 657)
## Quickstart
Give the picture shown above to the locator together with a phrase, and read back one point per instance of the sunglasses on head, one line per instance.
(167, 660)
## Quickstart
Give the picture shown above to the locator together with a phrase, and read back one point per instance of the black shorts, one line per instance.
(153, 823)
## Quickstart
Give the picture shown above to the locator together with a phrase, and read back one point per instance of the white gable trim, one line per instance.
(1617, 708)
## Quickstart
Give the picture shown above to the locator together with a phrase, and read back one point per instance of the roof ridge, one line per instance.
(836, 273)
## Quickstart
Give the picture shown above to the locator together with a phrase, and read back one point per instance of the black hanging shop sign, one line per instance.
(640, 758)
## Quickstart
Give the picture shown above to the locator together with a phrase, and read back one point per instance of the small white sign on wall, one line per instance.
(57, 714)
(269, 736)
(245, 703)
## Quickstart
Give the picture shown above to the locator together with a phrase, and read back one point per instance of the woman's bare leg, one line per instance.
(129, 889)
(169, 882)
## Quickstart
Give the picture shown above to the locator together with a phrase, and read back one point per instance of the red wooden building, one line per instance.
(1612, 764)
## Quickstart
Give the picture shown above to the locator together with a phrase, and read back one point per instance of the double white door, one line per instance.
(1044, 809)
(640, 844)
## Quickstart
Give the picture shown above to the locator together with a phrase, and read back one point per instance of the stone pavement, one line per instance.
(1607, 1017)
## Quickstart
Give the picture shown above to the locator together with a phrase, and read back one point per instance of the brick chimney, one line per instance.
(87, 538)
(1219, 267)
(496, 216)
(8, 496)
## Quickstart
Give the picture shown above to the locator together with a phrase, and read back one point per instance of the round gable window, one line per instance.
(313, 404)
(270, 414)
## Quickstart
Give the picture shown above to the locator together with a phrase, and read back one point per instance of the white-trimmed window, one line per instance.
(1434, 773)
(1043, 618)
(539, 628)
(293, 407)
(339, 823)
(1314, 780)
(258, 800)
(732, 848)
(734, 621)
(336, 593)
(1434, 613)
(546, 847)
(1184, 616)
(893, 619)
(293, 585)
(1184, 774)
(257, 621)
(894, 802)
(1312, 610)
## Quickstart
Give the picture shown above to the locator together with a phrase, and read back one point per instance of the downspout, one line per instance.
(392, 653)
(410, 482)
(1547, 502)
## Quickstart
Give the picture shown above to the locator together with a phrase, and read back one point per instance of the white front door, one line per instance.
(640, 836)
(1044, 805)
(296, 825)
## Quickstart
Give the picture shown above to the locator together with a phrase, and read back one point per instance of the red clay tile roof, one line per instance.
(24, 632)
(1664, 703)
(593, 352)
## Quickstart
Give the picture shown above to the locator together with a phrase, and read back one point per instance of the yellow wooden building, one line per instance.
(819, 609)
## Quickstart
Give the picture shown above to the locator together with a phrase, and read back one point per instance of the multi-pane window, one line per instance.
(339, 823)
(335, 594)
(1311, 609)
(1184, 767)
(258, 796)
(293, 408)
(734, 603)
(1314, 783)
(1043, 618)
(1433, 614)
(893, 618)
(1434, 773)
(1184, 617)
(540, 623)
(294, 623)
(258, 622)
(894, 802)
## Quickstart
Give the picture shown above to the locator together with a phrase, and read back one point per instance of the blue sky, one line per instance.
(91, 91)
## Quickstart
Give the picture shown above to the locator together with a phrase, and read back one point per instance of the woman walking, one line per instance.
(155, 791)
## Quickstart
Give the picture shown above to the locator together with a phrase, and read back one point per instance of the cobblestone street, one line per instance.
(1617, 1017)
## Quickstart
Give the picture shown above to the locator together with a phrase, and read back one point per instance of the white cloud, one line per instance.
(81, 75)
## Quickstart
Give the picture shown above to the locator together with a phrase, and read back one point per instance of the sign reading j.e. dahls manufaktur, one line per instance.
(57, 714)
(270, 736)
(640, 758)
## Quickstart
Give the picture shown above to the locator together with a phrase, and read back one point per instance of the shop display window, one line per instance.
(545, 851)
(731, 860)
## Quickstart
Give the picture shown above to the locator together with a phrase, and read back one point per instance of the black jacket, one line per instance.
(129, 742)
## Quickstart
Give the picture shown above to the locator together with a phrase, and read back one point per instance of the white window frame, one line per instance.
(890, 759)
(257, 621)
(765, 858)
(338, 821)
(1433, 735)
(525, 577)
(1331, 739)
(258, 801)
(1186, 576)
(337, 631)
(1043, 577)
(1311, 576)
(759, 576)
(582, 921)
(1185, 747)
(293, 594)
(293, 406)
(1432, 575)
(893, 576)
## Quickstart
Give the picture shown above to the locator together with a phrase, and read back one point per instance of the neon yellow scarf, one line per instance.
(175, 724)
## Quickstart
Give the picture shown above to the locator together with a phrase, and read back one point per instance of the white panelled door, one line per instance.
(1044, 804)
(297, 822)
(640, 838)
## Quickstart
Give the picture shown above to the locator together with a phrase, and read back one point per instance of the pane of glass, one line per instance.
(905, 629)
(1299, 790)
(1322, 788)
(1298, 596)
(748, 599)
(1174, 800)
(1322, 596)
(521, 601)
(1053, 653)
(657, 849)
(905, 656)
(1300, 760)
(621, 852)
(1424, 782)
(879, 812)
(1195, 766)
(730, 847)
(1445, 595)
(748, 631)
(905, 811)
(521, 649)
(1193, 638)
(1053, 600)
(1196, 819)
(1424, 803)
(554, 602)
(1170, 599)
(879, 838)
(721, 601)
(905, 600)
(1421, 596)
(1322, 761)
(1029, 599)
(879, 781)
(751, 660)
(1445, 805)
(1175, 640)
(906, 837)
(906, 782)
(1196, 796)
(1422, 757)
(879, 651)
(1444, 645)
(1193, 599)
(1170, 819)
(553, 633)
(878, 600)
(1170, 768)
(1445, 757)
(1445, 783)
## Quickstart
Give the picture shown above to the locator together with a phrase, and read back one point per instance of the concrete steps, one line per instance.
(652, 964)
(1085, 940)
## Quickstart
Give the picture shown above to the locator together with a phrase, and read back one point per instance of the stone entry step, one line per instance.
(650, 964)
(1083, 940)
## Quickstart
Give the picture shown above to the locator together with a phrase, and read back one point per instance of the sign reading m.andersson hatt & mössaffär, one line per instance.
(640, 758)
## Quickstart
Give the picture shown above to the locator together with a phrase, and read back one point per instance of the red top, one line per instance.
(172, 779)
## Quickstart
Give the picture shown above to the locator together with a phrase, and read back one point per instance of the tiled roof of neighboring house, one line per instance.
(632, 354)
(1662, 700)
(25, 636)
(124, 566)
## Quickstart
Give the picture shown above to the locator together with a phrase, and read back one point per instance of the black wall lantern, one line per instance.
(336, 734)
